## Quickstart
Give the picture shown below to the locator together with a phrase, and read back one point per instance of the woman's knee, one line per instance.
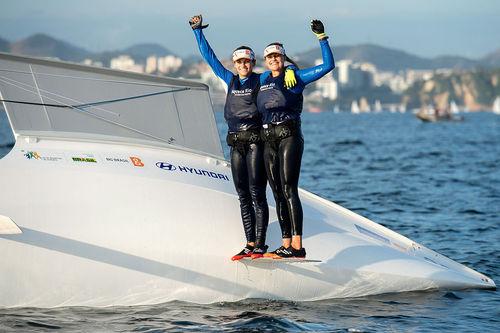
(290, 191)
(258, 194)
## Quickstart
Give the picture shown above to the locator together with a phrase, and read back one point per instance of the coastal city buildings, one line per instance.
(126, 63)
(354, 86)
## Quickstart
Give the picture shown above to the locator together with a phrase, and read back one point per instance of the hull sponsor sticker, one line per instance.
(37, 156)
(136, 161)
(84, 158)
(186, 169)
(116, 160)
(125, 160)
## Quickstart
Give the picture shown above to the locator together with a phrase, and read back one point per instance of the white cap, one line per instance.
(274, 48)
(243, 54)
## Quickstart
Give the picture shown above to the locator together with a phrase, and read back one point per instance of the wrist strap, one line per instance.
(321, 36)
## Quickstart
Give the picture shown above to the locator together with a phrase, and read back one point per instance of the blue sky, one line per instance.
(425, 27)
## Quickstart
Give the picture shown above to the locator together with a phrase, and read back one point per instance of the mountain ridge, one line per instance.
(389, 59)
(384, 58)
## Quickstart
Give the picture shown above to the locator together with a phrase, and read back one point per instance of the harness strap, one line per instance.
(277, 132)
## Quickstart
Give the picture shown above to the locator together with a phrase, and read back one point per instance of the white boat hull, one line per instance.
(110, 233)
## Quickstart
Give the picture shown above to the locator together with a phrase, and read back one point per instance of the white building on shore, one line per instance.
(126, 63)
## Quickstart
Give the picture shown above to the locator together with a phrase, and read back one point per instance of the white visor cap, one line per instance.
(243, 54)
(274, 49)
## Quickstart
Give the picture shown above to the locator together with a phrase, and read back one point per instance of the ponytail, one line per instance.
(291, 61)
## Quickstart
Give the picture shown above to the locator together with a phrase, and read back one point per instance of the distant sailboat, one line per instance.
(378, 106)
(454, 108)
(355, 107)
(364, 106)
(496, 105)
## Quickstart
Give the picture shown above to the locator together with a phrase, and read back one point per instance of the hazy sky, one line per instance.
(423, 27)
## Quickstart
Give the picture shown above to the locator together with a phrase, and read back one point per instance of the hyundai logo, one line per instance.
(165, 166)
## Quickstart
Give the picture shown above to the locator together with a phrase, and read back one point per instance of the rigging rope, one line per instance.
(86, 105)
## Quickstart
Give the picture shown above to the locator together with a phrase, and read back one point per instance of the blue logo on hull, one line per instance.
(170, 167)
(165, 166)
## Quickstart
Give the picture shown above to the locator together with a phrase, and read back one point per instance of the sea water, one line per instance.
(438, 184)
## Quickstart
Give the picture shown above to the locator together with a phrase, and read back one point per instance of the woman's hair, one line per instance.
(286, 57)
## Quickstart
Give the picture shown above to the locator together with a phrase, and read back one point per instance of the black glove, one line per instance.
(318, 29)
(196, 22)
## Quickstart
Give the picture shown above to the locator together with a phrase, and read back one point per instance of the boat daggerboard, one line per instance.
(8, 227)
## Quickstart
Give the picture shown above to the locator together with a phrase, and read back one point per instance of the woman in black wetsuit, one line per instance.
(244, 121)
(284, 144)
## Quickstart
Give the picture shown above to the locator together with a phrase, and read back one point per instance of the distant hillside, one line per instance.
(138, 52)
(384, 58)
(41, 45)
(454, 62)
(394, 60)
(492, 59)
(475, 89)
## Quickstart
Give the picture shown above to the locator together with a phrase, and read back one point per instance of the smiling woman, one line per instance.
(281, 106)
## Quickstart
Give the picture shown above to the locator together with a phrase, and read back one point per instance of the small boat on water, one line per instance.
(431, 114)
(117, 193)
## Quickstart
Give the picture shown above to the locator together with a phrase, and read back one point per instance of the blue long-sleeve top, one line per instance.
(311, 74)
(278, 104)
(209, 55)
(240, 110)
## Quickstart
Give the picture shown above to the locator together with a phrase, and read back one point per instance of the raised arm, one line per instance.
(206, 51)
(311, 74)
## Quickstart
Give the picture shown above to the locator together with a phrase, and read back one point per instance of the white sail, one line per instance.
(496, 105)
(75, 101)
(454, 108)
(355, 107)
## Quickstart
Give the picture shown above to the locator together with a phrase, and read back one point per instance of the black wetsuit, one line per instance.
(281, 109)
(247, 162)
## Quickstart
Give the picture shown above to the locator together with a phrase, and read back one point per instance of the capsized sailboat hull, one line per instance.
(99, 230)
(117, 193)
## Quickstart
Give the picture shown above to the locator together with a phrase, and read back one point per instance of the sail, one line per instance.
(355, 107)
(496, 105)
(47, 98)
